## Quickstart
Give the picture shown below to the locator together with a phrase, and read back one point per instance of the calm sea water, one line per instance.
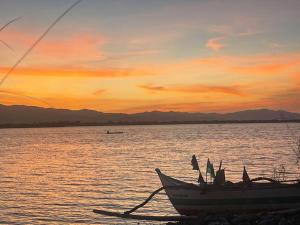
(59, 175)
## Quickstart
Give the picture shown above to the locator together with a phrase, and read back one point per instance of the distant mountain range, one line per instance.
(36, 116)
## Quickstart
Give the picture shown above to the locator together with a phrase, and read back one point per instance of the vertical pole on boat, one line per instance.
(206, 176)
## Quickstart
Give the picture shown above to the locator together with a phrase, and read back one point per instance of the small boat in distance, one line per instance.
(114, 132)
(191, 199)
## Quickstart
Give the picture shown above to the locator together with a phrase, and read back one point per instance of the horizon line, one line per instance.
(191, 112)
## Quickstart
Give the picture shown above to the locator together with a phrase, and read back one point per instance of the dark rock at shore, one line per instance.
(246, 219)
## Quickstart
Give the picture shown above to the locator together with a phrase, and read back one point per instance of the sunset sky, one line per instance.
(144, 55)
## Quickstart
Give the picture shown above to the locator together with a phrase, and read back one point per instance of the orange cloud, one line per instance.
(233, 90)
(9, 96)
(272, 68)
(252, 64)
(99, 92)
(215, 44)
(77, 72)
(296, 77)
(19, 38)
(82, 46)
(152, 87)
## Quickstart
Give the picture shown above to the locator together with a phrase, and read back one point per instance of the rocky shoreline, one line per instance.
(288, 217)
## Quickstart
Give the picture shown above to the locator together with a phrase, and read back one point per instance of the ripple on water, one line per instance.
(58, 175)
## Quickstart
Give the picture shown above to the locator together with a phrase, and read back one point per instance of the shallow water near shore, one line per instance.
(59, 175)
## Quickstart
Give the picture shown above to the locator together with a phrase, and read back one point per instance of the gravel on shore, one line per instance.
(285, 218)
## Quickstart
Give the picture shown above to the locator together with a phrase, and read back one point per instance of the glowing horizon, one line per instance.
(133, 56)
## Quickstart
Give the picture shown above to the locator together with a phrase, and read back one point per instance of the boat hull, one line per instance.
(190, 199)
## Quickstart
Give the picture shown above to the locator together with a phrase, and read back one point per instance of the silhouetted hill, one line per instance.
(18, 114)
(262, 114)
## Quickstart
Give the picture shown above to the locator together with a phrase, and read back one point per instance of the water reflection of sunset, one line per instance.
(59, 175)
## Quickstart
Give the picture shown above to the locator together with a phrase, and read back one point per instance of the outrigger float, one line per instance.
(192, 201)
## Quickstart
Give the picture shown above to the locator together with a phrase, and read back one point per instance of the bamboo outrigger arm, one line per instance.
(144, 217)
(128, 215)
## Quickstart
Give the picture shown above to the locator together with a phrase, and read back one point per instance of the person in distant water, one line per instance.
(107, 132)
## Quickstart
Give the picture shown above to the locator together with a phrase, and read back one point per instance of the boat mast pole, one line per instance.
(206, 170)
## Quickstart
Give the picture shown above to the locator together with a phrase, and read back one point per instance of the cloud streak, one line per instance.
(24, 96)
(196, 89)
(215, 43)
(261, 64)
(78, 72)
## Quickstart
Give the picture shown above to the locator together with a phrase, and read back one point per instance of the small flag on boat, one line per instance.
(195, 163)
(220, 166)
(196, 167)
(200, 178)
(220, 177)
(246, 178)
(210, 169)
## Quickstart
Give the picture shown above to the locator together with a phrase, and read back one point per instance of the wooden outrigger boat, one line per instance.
(221, 197)
(190, 199)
